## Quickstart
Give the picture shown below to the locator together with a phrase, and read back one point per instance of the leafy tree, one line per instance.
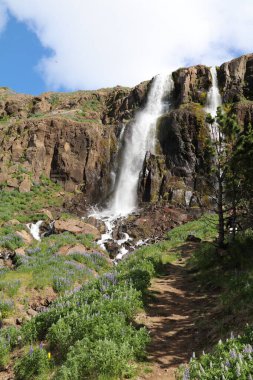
(223, 177)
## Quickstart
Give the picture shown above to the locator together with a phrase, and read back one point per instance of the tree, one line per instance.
(223, 177)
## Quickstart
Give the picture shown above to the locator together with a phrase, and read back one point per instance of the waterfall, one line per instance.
(213, 100)
(140, 140)
(34, 229)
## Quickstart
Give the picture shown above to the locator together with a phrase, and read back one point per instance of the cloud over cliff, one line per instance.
(102, 43)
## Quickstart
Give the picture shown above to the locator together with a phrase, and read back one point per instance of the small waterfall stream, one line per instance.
(138, 140)
(213, 100)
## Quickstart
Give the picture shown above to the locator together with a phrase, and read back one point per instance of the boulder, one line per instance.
(13, 182)
(70, 249)
(112, 248)
(47, 213)
(25, 185)
(25, 236)
(76, 226)
(20, 251)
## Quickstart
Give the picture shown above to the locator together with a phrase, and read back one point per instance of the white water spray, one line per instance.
(213, 100)
(140, 140)
(34, 229)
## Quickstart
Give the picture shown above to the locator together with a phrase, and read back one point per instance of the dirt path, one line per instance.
(173, 316)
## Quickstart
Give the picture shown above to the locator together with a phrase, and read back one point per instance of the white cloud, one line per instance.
(101, 43)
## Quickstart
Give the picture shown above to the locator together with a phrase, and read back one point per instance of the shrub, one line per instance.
(6, 308)
(4, 354)
(33, 365)
(10, 287)
(230, 360)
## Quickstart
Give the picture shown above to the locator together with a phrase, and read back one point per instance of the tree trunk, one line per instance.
(221, 228)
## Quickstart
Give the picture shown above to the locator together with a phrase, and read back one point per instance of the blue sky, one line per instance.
(21, 51)
(55, 45)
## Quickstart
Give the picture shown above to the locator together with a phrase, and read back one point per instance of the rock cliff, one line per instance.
(70, 138)
(73, 138)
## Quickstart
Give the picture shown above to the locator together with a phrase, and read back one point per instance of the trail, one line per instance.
(177, 316)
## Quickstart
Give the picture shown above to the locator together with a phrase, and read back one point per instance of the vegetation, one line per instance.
(26, 207)
(229, 360)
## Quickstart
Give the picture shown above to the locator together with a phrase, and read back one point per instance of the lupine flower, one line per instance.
(238, 370)
(186, 374)
(248, 349)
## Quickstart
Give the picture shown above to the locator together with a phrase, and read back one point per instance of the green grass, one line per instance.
(25, 207)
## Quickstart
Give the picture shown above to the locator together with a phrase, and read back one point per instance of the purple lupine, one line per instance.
(186, 375)
(233, 354)
(247, 349)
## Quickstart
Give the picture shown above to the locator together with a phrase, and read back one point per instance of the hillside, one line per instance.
(87, 291)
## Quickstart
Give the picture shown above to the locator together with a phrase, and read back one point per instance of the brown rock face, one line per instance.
(25, 236)
(173, 174)
(74, 138)
(192, 84)
(236, 79)
(152, 178)
(76, 227)
(71, 138)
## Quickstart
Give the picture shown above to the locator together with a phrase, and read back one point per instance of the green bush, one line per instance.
(6, 308)
(105, 358)
(230, 360)
(10, 287)
(34, 365)
(4, 354)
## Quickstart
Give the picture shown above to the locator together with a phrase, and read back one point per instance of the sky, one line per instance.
(64, 45)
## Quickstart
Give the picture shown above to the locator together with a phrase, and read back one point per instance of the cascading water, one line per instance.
(137, 143)
(34, 229)
(213, 100)
(140, 139)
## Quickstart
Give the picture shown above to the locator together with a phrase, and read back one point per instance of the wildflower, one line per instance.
(49, 355)
(186, 374)
(233, 354)
(31, 350)
(238, 370)
(248, 349)
(41, 345)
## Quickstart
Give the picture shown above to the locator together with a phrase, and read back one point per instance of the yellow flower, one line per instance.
(49, 355)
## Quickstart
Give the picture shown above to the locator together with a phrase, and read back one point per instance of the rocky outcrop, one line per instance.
(152, 178)
(244, 112)
(191, 84)
(76, 227)
(70, 138)
(176, 173)
(236, 79)
(74, 138)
